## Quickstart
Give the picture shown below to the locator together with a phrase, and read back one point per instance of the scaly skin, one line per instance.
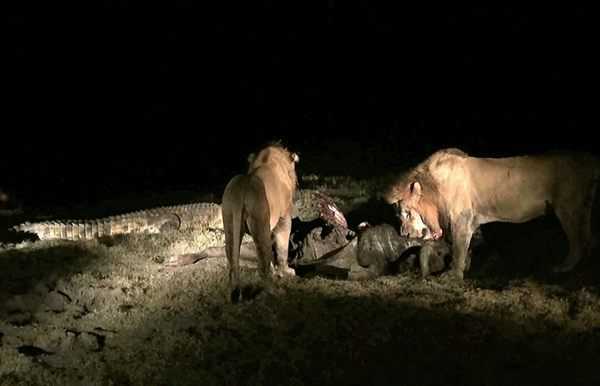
(197, 215)
(310, 204)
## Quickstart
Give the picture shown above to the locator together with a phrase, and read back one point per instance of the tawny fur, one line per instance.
(261, 203)
(455, 193)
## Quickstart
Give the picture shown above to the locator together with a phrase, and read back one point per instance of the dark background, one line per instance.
(118, 97)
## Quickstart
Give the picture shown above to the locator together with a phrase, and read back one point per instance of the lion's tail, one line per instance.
(232, 211)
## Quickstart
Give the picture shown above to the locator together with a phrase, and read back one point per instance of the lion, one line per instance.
(261, 203)
(452, 193)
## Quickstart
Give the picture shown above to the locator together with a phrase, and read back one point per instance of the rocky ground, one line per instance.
(108, 312)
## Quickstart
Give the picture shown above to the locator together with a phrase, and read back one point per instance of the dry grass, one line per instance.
(107, 313)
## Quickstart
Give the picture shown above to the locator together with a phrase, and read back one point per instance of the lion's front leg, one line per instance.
(462, 231)
(281, 238)
(577, 227)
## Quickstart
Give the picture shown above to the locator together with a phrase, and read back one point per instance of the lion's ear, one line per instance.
(295, 157)
(363, 225)
(415, 188)
(251, 158)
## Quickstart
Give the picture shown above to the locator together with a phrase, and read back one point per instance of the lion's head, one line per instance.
(417, 203)
(277, 157)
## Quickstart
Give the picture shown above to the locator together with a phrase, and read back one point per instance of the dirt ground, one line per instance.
(107, 312)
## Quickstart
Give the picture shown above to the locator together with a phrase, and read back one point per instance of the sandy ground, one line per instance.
(107, 312)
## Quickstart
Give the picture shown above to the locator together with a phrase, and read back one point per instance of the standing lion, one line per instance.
(451, 194)
(261, 203)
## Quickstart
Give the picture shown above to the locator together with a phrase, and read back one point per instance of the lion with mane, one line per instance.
(452, 193)
(261, 203)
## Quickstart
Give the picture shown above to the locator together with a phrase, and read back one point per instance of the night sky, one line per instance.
(121, 96)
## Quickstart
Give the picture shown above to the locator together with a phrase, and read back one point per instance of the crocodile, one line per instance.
(196, 215)
(309, 205)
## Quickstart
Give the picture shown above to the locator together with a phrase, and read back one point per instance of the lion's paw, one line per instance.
(286, 271)
(452, 275)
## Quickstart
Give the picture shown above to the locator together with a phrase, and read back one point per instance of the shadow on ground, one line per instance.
(317, 335)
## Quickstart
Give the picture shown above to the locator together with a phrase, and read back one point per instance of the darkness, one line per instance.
(117, 97)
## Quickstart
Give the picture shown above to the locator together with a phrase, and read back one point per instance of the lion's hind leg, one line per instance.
(233, 257)
(281, 238)
(234, 231)
(259, 228)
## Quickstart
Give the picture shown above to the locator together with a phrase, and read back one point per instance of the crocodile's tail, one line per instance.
(152, 221)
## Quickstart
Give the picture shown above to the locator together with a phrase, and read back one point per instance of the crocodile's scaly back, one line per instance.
(309, 205)
(197, 215)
